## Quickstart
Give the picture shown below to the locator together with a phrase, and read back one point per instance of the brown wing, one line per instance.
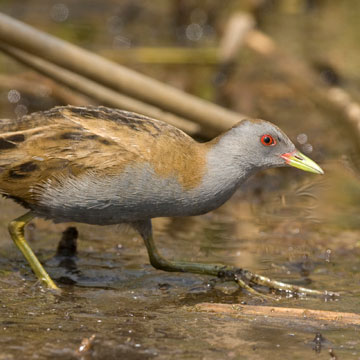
(70, 141)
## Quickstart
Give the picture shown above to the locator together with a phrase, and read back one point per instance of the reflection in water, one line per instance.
(66, 257)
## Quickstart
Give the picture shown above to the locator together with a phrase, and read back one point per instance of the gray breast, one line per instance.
(138, 193)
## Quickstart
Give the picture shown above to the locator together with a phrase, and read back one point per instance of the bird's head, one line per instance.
(267, 146)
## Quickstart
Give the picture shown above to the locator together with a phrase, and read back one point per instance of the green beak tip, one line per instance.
(302, 162)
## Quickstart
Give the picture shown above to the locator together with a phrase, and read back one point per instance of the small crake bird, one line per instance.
(103, 166)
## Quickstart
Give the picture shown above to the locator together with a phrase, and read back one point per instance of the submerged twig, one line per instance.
(343, 318)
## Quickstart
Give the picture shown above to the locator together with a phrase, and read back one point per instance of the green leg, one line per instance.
(16, 229)
(242, 277)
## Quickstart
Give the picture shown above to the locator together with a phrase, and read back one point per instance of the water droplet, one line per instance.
(302, 138)
(307, 148)
(59, 12)
(194, 32)
(14, 96)
(20, 110)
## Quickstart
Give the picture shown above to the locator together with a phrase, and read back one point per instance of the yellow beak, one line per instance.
(300, 161)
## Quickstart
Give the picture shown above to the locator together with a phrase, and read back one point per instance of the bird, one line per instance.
(103, 166)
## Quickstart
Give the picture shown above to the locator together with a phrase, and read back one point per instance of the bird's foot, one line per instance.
(245, 279)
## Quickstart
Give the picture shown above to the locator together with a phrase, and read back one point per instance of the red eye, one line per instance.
(267, 140)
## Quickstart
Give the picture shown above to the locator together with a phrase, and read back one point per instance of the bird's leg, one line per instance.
(16, 229)
(242, 277)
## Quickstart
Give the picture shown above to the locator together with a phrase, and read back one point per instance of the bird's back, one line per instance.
(76, 155)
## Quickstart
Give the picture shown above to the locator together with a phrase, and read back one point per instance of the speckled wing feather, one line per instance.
(70, 141)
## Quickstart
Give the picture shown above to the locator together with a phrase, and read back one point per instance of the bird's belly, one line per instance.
(128, 198)
(107, 214)
(127, 209)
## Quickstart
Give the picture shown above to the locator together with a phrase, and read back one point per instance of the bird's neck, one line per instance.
(229, 159)
(226, 168)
